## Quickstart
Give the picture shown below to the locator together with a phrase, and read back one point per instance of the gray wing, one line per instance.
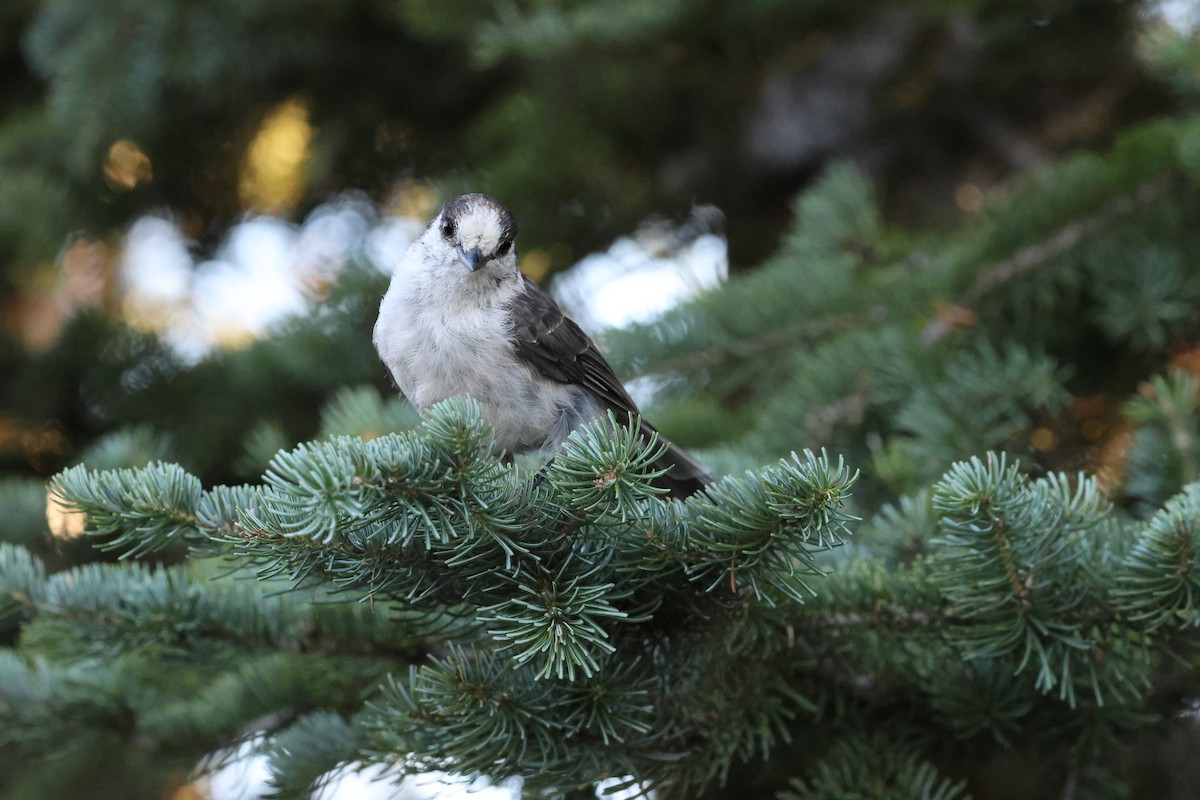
(556, 347)
(559, 350)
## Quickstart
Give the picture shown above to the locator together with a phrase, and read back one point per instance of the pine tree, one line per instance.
(947, 607)
(978, 580)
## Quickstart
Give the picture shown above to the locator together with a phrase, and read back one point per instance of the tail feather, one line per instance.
(685, 475)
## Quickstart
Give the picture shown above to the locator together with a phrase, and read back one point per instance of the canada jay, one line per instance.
(459, 318)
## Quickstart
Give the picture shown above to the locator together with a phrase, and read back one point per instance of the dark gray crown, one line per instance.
(464, 203)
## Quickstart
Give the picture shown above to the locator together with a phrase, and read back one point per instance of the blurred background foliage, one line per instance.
(585, 117)
(954, 225)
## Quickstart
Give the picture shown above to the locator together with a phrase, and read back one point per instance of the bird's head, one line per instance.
(475, 233)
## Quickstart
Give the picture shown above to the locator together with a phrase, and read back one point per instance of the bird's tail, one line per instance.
(684, 474)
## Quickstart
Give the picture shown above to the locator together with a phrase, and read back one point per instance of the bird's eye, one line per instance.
(448, 228)
(504, 247)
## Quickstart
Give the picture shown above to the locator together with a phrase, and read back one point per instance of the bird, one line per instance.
(460, 318)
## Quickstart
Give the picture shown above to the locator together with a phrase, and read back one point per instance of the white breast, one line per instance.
(436, 350)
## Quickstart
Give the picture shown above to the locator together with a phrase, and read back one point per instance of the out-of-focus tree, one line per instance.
(584, 116)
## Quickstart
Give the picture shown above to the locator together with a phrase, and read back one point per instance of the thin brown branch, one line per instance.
(1035, 255)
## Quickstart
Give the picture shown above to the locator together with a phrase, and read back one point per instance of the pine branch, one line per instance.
(558, 626)
(762, 533)
(303, 755)
(1160, 582)
(22, 579)
(41, 703)
(875, 766)
(139, 511)
(605, 475)
(789, 338)
(1032, 256)
(590, 628)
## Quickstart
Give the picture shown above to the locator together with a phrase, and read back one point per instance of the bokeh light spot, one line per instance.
(969, 198)
(414, 199)
(1043, 439)
(126, 166)
(274, 173)
(535, 263)
(65, 522)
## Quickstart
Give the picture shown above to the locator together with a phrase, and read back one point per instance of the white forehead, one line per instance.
(479, 224)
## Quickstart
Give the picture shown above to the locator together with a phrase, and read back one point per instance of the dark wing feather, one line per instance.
(557, 348)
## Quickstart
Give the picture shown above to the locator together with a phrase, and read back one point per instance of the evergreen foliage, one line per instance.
(582, 623)
(410, 600)
(670, 106)
(979, 580)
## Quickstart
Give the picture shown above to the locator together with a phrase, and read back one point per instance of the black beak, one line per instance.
(472, 258)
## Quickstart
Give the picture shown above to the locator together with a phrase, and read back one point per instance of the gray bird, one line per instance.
(460, 318)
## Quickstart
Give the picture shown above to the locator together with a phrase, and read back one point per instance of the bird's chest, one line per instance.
(436, 352)
(446, 354)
